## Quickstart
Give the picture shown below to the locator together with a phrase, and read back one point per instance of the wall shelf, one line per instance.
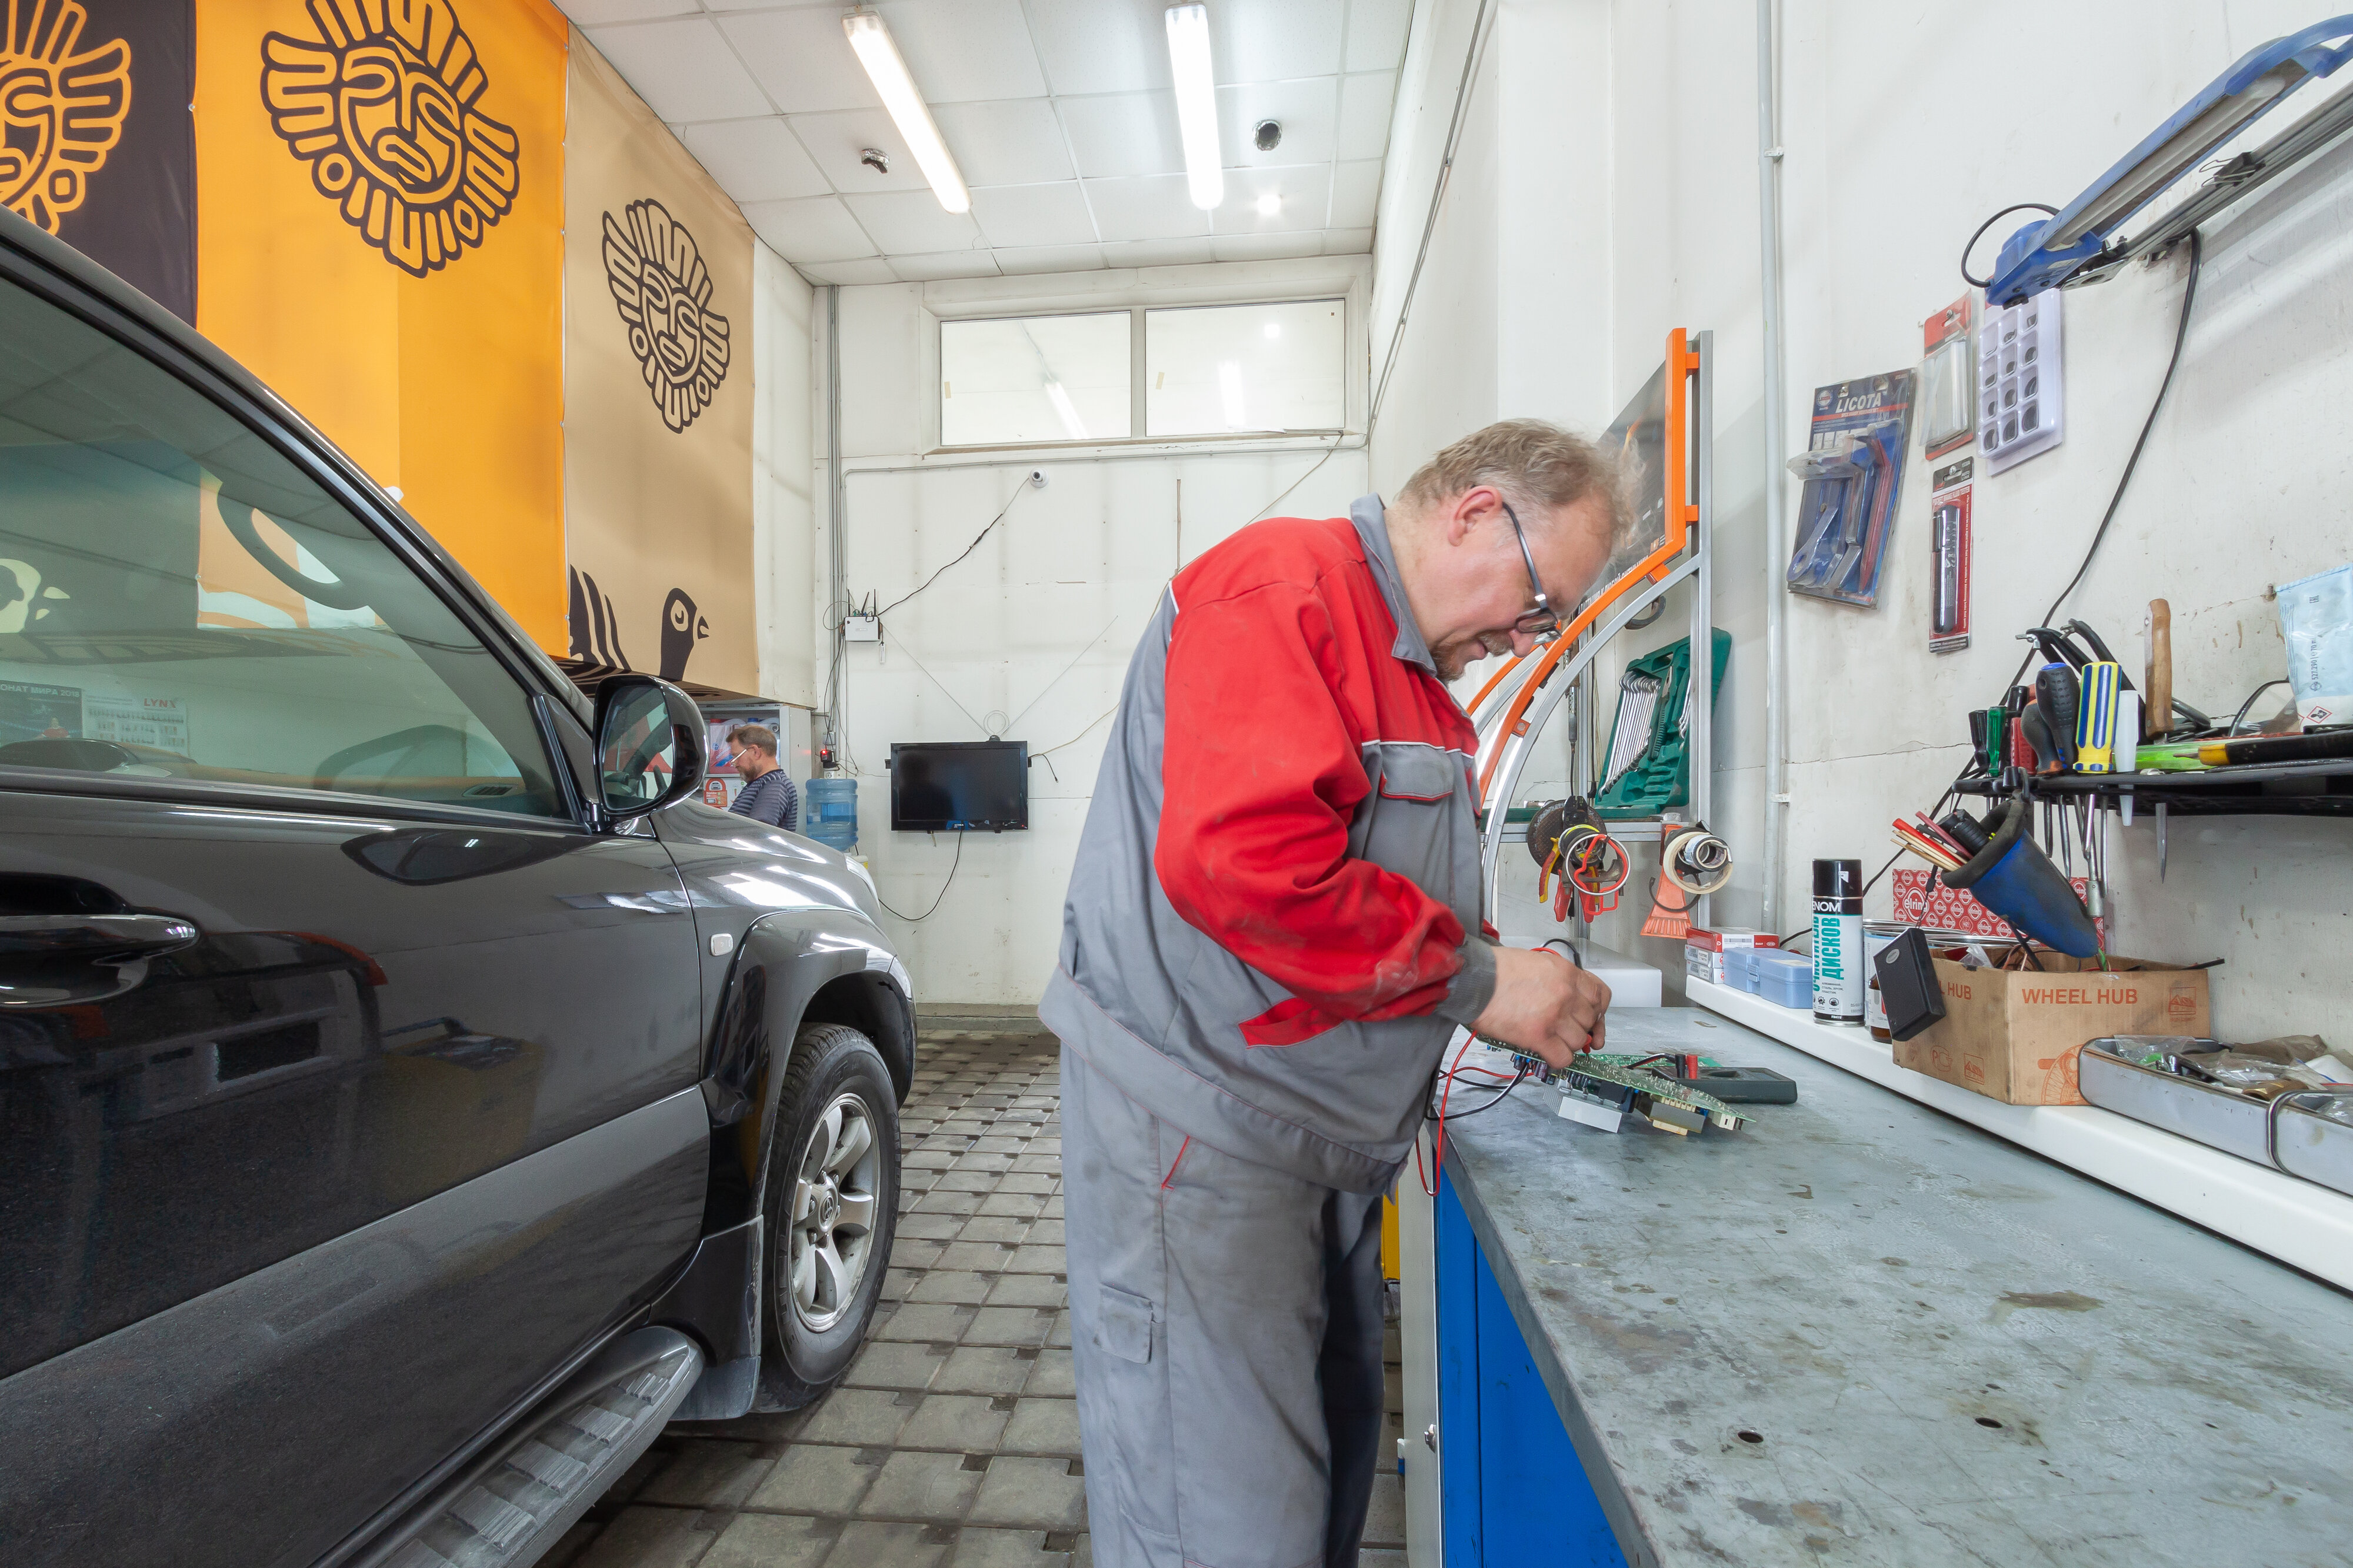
(2323, 788)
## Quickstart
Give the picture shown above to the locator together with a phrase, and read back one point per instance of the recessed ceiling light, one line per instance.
(1197, 102)
(1268, 205)
(880, 56)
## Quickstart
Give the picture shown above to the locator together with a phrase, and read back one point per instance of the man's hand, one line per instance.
(1545, 1004)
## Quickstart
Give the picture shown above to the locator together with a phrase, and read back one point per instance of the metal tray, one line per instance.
(2216, 1118)
(2309, 1144)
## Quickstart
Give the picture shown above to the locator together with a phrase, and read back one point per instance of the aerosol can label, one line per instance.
(1838, 963)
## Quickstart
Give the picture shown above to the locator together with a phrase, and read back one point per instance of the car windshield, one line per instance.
(178, 600)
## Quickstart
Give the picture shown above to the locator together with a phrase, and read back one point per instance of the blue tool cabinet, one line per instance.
(1514, 1490)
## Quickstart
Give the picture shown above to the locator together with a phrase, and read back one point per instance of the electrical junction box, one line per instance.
(862, 628)
(2020, 412)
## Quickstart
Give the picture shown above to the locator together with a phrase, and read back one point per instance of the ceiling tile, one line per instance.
(836, 140)
(1377, 34)
(1016, 141)
(1355, 191)
(1364, 115)
(1347, 241)
(817, 229)
(684, 70)
(1049, 258)
(754, 160)
(960, 51)
(875, 270)
(947, 264)
(1304, 192)
(1269, 40)
(1161, 253)
(1102, 46)
(1268, 247)
(1126, 134)
(1034, 215)
(1156, 206)
(802, 59)
(596, 13)
(1305, 110)
(912, 222)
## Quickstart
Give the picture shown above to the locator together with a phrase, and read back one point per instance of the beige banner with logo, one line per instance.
(658, 398)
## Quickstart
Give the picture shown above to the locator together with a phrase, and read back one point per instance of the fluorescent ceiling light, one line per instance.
(1197, 102)
(1066, 411)
(1230, 392)
(1268, 205)
(880, 56)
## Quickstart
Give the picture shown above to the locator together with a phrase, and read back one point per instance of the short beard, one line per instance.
(1455, 657)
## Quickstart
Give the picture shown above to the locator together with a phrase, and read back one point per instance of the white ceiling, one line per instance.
(1059, 111)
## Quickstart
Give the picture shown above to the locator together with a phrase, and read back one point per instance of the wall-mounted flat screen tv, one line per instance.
(940, 786)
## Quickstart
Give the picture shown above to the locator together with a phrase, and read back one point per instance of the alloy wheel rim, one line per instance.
(836, 1203)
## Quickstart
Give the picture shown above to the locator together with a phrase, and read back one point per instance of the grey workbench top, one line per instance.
(1859, 1332)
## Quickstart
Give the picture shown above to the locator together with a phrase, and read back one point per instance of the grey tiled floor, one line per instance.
(954, 1440)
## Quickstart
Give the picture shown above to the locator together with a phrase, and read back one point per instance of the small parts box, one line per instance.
(1784, 979)
(1704, 951)
(2012, 1034)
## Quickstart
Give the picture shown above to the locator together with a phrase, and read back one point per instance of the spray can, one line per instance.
(1838, 941)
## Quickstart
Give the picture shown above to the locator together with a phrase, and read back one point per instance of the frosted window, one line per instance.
(1216, 369)
(1034, 378)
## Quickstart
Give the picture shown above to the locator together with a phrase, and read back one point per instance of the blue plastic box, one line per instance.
(1785, 979)
(1740, 967)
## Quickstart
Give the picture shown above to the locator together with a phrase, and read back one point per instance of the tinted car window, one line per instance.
(177, 600)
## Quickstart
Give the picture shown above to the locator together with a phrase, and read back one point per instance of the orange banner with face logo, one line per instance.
(380, 239)
(657, 398)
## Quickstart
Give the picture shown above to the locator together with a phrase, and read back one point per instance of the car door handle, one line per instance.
(64, 961)
(94, 939)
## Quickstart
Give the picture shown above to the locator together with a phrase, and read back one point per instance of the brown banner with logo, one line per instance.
(657, 398)
(95, 141)
(380, 239)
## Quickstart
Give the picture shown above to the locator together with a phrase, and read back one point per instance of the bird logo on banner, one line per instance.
(386, 111)
(662, 290)
(61, 108)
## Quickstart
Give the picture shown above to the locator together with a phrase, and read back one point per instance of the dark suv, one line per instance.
(411, 1095)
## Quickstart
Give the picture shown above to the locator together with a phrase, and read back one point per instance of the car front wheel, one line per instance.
(832, 1206)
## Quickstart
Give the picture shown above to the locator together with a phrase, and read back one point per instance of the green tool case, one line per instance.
(1660, 777)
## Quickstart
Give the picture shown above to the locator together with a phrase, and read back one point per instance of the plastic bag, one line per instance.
(2316, 618)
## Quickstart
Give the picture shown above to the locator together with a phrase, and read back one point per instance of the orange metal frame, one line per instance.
(1682, 363)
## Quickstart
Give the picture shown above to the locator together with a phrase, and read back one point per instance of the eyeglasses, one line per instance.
(1544, 620)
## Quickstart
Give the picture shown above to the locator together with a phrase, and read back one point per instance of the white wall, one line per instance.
(1899, 141)
(1038, 624)
(784, 537)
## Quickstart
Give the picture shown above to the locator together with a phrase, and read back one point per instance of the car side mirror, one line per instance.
(649, 748)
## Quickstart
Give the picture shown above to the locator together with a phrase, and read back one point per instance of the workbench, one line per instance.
(1861, 1331)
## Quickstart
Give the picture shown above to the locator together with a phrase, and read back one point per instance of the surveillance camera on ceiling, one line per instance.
(876, 159)
(1269, 134)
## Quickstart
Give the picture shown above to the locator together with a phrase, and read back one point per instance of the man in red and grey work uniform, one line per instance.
(1273, 927)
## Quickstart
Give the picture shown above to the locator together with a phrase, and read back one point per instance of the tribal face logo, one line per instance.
(62, 107)
(663, 291)
(386, 112)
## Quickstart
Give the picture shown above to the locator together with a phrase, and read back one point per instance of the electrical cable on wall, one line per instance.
(968, 549)
(927, 914)
(2180, 335)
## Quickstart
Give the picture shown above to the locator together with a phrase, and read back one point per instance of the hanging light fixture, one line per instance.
(880, 56)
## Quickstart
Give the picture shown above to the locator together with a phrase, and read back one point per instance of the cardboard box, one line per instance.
(1704, 950)
(2013, 1035)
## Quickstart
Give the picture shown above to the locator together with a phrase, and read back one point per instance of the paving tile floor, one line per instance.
(953, 1442)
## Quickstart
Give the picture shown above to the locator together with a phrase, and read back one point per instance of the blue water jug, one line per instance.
(832, 814)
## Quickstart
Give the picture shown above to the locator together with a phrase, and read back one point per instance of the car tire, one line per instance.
(832, 1208)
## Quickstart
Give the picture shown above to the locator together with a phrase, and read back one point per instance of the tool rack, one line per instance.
(2321, 788)
(1511, 711)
